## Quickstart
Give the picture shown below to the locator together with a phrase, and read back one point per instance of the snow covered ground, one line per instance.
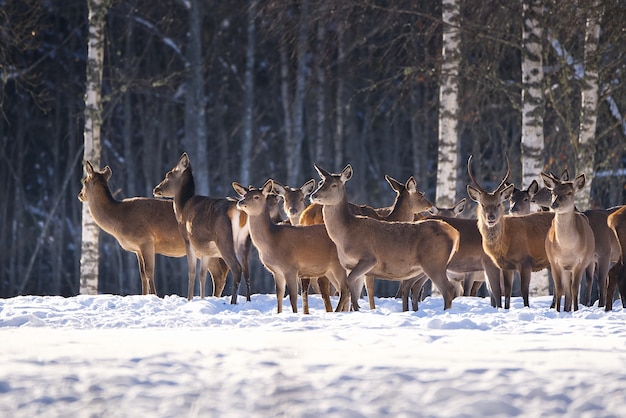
(138, 356)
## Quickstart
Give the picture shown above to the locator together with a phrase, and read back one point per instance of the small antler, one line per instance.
(502, 184)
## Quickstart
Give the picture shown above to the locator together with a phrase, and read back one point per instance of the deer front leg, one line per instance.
(280, 290)
(306, 282)
(204, 266)
(558, 288)
(524, 276)
(507, 280)
(191, 270)
(369, 287)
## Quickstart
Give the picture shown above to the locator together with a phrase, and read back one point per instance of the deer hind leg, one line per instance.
(219, 272)
(323, 284)
(603, 272)
(338, 279)
(567, 283)
(494, 276)
(558, 287)
(280, 282)
(192, 261)
(416, 292)
(305, 282)
(227, 251)
(524, 275)
(204, 266)
(369, 287)
(585, 297)
(292, 284)
(243, 255)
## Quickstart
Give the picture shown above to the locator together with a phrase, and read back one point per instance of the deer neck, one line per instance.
(400, 211)
(494, 241)
(262, 228)
(564, 224)
(104, 208)
(337, 218)
(185, 192)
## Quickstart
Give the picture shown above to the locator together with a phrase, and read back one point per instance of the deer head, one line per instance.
(490, 204)
(171, 182)
(563, 191)
(95, 180)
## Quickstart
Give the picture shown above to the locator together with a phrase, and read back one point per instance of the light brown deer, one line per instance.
(294, 199)
(140, 225)
(521, 199)
(389, 250)
(514, 243)
(289, 252)
(570, 244)
(617, 276)
(470, 258)
(210, 227)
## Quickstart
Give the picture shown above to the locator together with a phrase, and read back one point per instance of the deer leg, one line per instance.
(338, 280)
(507, 279)
(416, 291)
(567, 284)
(324, 285)
(558, 288)
(191, 270)
(524, 275)
(244, 261)
(493, 284)
(145, 287)
(578, 275)
(403, 292)
(292, 284)
(280, 282)
(204, 266)
(227, 250)
(603, 272)
(305, 294)
(355, 286)
(622, 286)
(219, 271)
(369, 287)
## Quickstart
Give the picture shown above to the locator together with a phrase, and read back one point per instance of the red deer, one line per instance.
(210, 227)
(617, 276)
(520, 200)
(288, 251)
(570, 244)
(514, 243)
(140, 225)
(389, 250)
(294, 199)
(470, 258)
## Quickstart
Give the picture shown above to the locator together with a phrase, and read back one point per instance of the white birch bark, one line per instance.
(339, 100)
(92, 150)
(589, 107)
(447, 160)
(532, 114)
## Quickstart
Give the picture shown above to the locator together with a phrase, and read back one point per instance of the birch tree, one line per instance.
(532, 112)
(589, 106)
(92, 149)
(447, 160)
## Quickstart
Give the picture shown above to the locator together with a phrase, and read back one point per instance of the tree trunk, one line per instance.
(589, 107)
(532, 113)
(340, 106)
(447, 160)
(93, 122)
(246, 142)
(195, 141)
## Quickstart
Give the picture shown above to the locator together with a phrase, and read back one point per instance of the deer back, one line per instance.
(134, 222)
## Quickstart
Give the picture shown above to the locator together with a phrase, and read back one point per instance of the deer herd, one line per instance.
(339, 246)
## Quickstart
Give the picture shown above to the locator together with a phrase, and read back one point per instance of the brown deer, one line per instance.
(294, 199)
(289, 252)
(520, 199)
(210, 227)
(389, 250)
(514, 243)
(469, 258)
(570, 244)
(617, 276)
(140, 225)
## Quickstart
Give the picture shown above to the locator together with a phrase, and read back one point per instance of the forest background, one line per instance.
(334, 82)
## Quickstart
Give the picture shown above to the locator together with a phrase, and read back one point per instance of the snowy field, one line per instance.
(136, 356)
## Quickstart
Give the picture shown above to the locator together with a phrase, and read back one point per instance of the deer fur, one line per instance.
(210, 227)
(288, 251)
(617, 276)
(514, 243)
(389, 250)
(570, 244)
(294, 199)
(141, 225)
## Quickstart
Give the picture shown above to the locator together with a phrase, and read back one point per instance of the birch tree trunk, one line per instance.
(532, 114)
(589, 107)
(447, 160)
(92, 150)
(248, 123)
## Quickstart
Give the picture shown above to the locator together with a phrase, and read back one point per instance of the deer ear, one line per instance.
(433, 210)
(268, 187)
(507, 192)
(346, 173)
(579, 181)
(279, 189)
(307, 188)
(241, 190)
(411, 185)
(183, 162)
(548, 181)
(322, 173)
(395, 184)
(89, 168)
(533, 188)
(107, 173)
(473, 193)
(565, 175)
(459, 207)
